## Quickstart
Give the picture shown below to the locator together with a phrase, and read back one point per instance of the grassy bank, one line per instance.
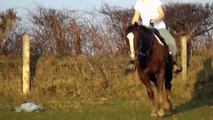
(95, 87)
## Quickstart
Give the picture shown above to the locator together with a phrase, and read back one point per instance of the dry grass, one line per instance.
(73, 82)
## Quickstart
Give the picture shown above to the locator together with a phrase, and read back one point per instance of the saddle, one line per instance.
(157, 33)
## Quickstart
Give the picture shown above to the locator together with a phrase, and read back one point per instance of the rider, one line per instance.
(152, 11)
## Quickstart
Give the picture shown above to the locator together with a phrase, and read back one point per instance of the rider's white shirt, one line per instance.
(148, 11)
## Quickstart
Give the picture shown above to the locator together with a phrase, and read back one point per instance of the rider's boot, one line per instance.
(176, 66)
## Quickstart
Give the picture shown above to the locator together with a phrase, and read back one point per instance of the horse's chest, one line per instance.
(154, 66)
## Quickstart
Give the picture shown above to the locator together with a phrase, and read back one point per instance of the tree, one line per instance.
(53, 30)
(7, 24)
(117, 20)
(190, 19)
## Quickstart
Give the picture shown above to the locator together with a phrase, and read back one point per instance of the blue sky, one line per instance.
(24, 5)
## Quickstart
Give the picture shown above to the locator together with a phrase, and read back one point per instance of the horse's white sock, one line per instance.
(130, 36)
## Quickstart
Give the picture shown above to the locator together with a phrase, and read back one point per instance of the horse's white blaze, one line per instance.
(130, 36)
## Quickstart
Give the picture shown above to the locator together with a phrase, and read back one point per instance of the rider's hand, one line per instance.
(154, 20)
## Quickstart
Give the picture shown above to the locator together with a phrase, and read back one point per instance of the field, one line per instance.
(114, 111)
(95, 87)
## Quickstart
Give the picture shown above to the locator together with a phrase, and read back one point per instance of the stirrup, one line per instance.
(177, 68)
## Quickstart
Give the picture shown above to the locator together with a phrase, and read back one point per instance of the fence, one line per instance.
(26, 64)
(184, 57)
(26, 61)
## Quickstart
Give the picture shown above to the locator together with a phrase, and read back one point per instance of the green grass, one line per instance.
(114, 110)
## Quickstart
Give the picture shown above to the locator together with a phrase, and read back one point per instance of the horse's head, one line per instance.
(132, 33)
(141, 36)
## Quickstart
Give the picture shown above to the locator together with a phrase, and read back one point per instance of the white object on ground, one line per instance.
(28, 107)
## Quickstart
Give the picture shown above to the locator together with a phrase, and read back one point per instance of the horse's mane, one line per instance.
(144, 43)
(145, 37)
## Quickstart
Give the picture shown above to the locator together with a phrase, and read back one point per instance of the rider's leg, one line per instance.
(172, 47)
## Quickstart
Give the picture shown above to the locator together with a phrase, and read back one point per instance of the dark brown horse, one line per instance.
(154, 64)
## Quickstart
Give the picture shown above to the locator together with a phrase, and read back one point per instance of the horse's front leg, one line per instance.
(160, 81)
(168, 103)
(152, 99)
(150, 93)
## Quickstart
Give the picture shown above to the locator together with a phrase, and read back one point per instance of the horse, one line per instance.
(154, 65)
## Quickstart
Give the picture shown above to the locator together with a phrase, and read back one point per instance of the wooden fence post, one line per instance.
(184, 57)
(26, 64)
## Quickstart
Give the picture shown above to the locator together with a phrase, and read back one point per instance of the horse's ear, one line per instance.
(135, 24)
(132, 28)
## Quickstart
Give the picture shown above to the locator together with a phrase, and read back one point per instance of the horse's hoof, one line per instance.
(154, 114)
(161, 113)
(168, 106)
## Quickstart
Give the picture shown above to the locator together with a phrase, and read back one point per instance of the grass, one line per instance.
(113, 110)
(95, 87)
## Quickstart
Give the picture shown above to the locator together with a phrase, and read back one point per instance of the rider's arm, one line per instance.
(135, 17)
(161, 15)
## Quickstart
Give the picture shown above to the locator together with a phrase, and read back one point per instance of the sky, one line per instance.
(22, 6)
